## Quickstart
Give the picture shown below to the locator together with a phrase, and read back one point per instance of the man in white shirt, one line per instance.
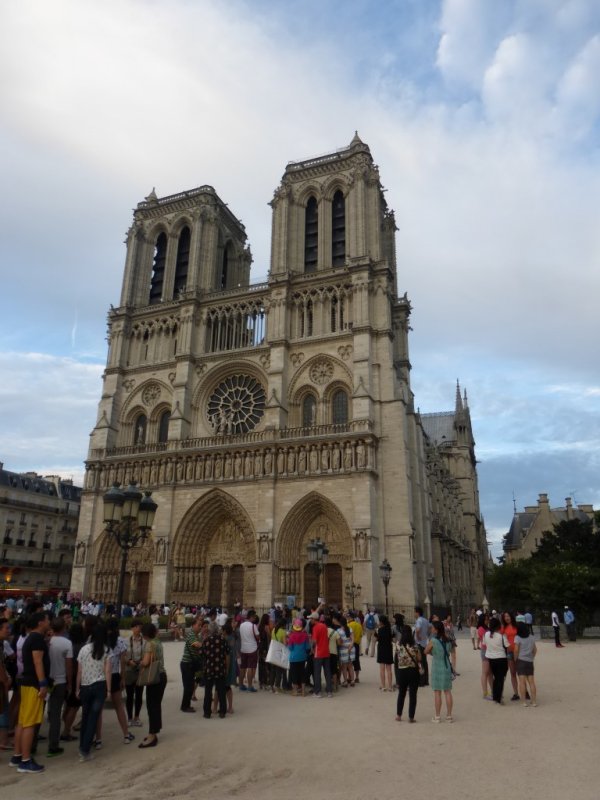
(248, 652)
(61, 672)
(222, 618)
(556, 626)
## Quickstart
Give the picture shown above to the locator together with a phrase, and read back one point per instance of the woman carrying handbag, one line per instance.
(154, 677)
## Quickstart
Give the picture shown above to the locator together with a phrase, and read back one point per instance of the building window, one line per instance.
(140, 426)
(163, 426)
(338, 230)
(309, 411)
(183, 259)
(158, 269)
(224, 268)
(339, 407)
(311, 235)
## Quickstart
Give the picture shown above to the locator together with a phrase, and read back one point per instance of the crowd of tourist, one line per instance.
(69, 657)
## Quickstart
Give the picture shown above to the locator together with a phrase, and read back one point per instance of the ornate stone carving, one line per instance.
(264, 547)
(265, 360)
(321, 372)
(297, 359)
(151, 394)
(80, 550)
(128, 384)
(172, 376)
(200, 369)
(345, 351)
(362, 545)
(236, 405)
(160, 551)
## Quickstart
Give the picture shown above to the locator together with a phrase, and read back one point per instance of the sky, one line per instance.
(484, 119)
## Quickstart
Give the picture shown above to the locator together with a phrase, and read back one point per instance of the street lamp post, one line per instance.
(128, 517)
(318, 553)
(353, 590)
(385, 570)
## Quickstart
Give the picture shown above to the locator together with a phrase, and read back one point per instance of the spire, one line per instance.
(459, 404)
(356, 139)
(465, 401)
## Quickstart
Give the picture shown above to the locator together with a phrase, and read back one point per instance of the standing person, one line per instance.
(118, 659)
(61, 673)
(408, 661)
(525, 652)
(459, 624)
(496, 645)
(216, 652)
(191, 661)
(299, 647)
(249, 638)
(153, 651)
(5, 684)
(509, 629)
(264, 638)
(134, 693)
(441, 671)
(385, 655)
(345, 651)
(421, 630)
(556, 627)
(229, 634)
(473, 625)
(370, 626)
(278, 634)
(486, 671)
(357, 634)
(34, 690)
(320, 639)
(569, 618)
(73, 703)
(93, 679)
(451, 636)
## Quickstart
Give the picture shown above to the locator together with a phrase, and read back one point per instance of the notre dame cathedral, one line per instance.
(263, 416)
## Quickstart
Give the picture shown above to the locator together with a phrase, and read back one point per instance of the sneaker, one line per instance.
(329, 694)
(15, 761)
(252, 689)
(30, 766)
(57, 751)
(98, 744)
(128, 739)
(136, 723)
(243, 688)
(83, 757)
(514, 698)
(318, 695)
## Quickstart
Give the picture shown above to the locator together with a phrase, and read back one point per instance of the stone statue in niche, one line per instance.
(237, 465)
(228, 466)
(313, 459)
(302, 461)
(161, 551)
(179, 469)
(208, 469)
(264, 548)
(325, 459)
(268, 462)
(361, 544)
(291, 460)
(169, 471)
(348, 456)
(248, 465)
(258, 465)
(336, 458)
(80, 554)
(218, 467)
(145, 473)
(280, 462)
(153, 473)
(189, 470)
(199, 468)
(360, 456)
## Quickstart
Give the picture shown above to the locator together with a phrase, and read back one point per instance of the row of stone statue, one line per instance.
(316, 459)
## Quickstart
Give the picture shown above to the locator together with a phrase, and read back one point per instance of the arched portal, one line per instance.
(314, 517)
(138, 577)
(214, 553)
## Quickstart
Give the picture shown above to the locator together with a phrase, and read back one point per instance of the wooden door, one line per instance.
(333, 585)
(311, 585)
(236, 585)
(215, 585)
(142, 586)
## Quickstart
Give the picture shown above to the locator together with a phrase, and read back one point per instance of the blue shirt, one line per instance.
(569, 617)
(421, 631)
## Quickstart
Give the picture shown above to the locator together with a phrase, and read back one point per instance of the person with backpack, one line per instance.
(370, 625)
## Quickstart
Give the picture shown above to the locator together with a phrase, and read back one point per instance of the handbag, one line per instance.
(149, 675)
(278, 655)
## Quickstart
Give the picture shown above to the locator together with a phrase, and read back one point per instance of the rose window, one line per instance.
(236, 405)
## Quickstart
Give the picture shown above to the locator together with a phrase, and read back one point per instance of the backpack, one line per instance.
(370, 622)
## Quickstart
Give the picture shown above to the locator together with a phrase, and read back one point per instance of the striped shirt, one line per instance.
(191, 653)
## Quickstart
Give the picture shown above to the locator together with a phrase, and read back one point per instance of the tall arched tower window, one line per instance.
(139, 433)
(183, 259)
(311, 235)
(223, 280)
(158, 269)
(338, 230)
(309, 411)
(163, 426)
(339, 407)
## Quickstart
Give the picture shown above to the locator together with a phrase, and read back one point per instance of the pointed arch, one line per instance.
(295, 530)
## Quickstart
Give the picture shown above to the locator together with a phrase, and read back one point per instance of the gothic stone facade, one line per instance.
(264, 416)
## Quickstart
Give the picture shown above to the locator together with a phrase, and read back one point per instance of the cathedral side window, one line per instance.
(339, 407)
(311, 235)
(309, 411)
(163, 426)
(223, 281)
(140, 426)
(158, 269)
(237, 405)
(182, 262)
(338, 230)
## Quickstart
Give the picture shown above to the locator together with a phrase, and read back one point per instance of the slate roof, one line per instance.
(37, 485)
(439, 427)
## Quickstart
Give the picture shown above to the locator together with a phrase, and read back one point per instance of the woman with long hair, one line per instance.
(407, 661)
(264, 637)
(93, 679)
(486, 672)
(345, 650)
(509, 629)
(153, 651)
(451, 636)
(496, 645)
(278, 673)
(385, 654)
(525, 652)
(441, 670)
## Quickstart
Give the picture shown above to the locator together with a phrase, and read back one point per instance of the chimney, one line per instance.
(543, 499)
(569, 507)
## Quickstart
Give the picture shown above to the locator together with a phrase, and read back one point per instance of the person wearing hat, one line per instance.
(299, 646)
(569, 619)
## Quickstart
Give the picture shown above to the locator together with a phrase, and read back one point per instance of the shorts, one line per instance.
(524, 667)
(31, 709)
(473, 633)
(510, 656)
(115, 683)
(333, 664)
(249, 660)
(482, 652)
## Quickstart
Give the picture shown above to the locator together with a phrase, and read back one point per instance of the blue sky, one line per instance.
(483, 118)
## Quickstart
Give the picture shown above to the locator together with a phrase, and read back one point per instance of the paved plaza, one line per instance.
(277, 747)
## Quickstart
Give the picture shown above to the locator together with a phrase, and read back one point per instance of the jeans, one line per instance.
(56, 701)
(92, 701)
(499, 667)
(408, 679)
(277, 675)
(133, 692)
(154, 696)
(187, 678)
(326, 665)
(219, 685)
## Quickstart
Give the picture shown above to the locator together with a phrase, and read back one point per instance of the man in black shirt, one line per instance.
(34, 689)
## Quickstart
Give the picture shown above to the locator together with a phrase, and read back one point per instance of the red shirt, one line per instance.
(320, 637)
